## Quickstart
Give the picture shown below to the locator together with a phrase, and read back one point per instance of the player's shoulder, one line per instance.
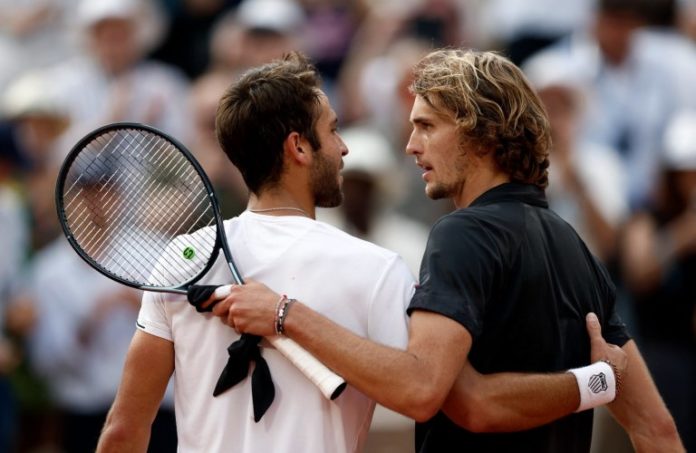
(474, 217)
(340, 240)
(483, 227)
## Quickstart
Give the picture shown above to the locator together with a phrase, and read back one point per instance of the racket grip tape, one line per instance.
(329, 383)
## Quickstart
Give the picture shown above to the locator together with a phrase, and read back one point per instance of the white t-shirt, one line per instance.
(361, 286)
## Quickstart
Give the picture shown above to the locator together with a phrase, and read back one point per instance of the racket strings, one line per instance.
(139, 208)
(146, 206)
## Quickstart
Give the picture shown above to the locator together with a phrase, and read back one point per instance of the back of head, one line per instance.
(494, 106)
(261, 109)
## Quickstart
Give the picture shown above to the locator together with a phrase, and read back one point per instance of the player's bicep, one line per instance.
(442, 344)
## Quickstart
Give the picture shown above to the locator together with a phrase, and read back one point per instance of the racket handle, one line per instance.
(329, 383)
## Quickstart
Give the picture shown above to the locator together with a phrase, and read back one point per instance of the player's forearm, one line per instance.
(641, 410)
(504, 402)
(117, 437)
(397, 379)
(149, 364)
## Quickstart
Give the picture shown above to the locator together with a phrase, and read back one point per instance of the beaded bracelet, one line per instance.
(617, 376)
(281, 313)
(276, 319)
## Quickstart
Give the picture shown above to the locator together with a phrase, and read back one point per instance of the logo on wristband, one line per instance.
(598, 383)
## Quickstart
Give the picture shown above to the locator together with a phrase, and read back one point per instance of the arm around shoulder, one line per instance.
(149, 365)
(414, 382)
(506, 402)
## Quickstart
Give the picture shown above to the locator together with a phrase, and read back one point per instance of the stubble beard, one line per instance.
(325, 186)
(438, 190)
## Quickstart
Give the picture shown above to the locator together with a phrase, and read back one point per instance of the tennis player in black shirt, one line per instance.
(504, 283)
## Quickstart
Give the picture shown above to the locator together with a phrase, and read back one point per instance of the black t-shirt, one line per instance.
(521, 281)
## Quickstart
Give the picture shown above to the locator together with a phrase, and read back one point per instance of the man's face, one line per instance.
(328, 159)
(435, 144)
(613, 31)
(114, 44)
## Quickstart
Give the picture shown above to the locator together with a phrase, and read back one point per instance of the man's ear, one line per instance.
(297, 149)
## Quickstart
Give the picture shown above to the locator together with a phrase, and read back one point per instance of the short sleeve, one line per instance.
(614, 330)
(457, 275)
(388, 322)
(152, 317)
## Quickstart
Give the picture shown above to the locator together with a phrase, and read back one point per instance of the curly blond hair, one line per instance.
(494, 106)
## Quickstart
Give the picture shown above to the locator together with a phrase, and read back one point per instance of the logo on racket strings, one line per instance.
(189, 253)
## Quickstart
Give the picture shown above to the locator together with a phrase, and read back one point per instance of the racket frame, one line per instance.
(220, 241)
(330, 384)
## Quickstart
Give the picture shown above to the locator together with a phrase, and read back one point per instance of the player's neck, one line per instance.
(280, 204)
(478, 182)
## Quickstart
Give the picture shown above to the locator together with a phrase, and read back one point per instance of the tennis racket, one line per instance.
(136, 205)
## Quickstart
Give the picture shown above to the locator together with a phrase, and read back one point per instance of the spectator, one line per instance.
(659, 265)
(257, 32)
(84, 326)
(587, 182)
(371, 179)
(36, 122)
(16, 241)
(189, 32)
(112, 80)
(33, 34)
(375, 86)
(328, 33)
(229, 186)
(520, 29)
(629, 97)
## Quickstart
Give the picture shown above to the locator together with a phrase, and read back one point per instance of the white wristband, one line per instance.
(596, 383)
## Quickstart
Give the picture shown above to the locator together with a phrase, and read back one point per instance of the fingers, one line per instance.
(601, 350)
(219, 294)
(247, 308)
(594, 329)
(222, 308)
(598, 347)
(230, 321)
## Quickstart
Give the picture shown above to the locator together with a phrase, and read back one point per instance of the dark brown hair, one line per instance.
(261, 109)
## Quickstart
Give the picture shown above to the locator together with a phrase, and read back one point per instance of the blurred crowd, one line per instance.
(618, 78)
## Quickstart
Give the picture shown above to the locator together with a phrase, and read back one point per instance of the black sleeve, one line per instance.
(614, 330)
(457, 271)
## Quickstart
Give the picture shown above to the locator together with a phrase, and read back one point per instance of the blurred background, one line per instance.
(618, 78)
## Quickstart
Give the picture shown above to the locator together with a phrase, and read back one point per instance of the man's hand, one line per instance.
(250, 308)
(601, 350)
